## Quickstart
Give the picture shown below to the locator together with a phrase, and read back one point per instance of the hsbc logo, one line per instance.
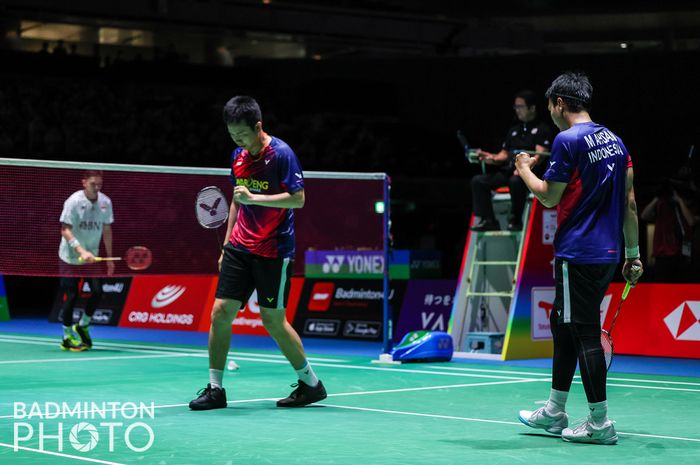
(333, 263)
(684, 321)
(321, 296)
(167, 295)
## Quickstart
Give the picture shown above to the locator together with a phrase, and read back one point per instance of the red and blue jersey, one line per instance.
(593, 162)
(266, 231)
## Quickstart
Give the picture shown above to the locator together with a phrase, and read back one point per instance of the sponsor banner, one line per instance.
(4, 309)
(248, 320)
(369, 264)
(528, 334)
(542, 305)
(660, 320)
(109, 308)
(345, 308)
(426, 306)
(168, 301)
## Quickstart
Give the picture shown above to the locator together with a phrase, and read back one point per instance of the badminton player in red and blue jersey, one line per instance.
(590, 181)
(268, 185)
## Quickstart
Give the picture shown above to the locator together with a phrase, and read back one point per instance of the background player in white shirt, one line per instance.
(85, 220)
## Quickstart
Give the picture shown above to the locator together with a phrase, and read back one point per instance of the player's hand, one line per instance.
(632, 270)
(242, 195)
(110, 268)
(87, 257)
(484, 156)
(523, 162)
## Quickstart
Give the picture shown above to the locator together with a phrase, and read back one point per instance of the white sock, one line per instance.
(307, 375)
(84, 320)
(67, 332)
(556, 402)
(599, 412)
(216, 378)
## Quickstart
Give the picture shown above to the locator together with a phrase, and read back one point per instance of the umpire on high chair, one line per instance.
(530, 133)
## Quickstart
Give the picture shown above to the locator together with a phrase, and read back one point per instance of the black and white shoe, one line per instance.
(209, 398)
(303, 395)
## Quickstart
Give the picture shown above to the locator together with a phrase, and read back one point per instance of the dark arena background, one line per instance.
(371, 96)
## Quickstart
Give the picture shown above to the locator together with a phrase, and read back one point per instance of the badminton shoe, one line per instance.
(303, 395)
(72, 344)
(209, 398)
(540, 419)
(591, 433)
(84, 334)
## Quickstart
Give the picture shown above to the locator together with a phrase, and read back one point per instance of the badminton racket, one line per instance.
(211, 209)
(606, 335)
(137, 258)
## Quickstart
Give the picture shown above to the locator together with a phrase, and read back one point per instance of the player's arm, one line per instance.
(107, 239)
(492, 158)
(232, 216)
(241, 194)
(67, 233)
(630, 229)
(547, 192)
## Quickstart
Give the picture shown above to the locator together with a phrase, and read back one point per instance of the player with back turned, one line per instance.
(268, 186)
(590, 180)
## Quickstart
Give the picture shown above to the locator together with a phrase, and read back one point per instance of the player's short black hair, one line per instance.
(529, 97)
(87, 174)
(242, 109)
(574, 88)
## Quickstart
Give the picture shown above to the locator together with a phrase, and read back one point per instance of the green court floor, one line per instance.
(450, 413)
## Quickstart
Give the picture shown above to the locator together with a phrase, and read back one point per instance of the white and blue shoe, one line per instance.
(590, 433)
(540, 419)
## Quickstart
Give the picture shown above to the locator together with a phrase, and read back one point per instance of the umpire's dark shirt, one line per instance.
(525, 136)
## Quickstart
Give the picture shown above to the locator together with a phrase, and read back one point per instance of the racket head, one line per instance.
(608, 347)
(211, 207)
(138, 258)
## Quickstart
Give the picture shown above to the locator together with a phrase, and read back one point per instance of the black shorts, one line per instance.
(580, 290)
(243, 272)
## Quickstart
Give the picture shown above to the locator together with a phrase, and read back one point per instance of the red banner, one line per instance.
(168, 301)
(661, 320)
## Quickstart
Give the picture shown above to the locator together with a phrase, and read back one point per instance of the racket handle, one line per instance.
(628, 285)
(101, 259)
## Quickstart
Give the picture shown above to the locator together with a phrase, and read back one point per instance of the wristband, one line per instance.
(632, 252)
(74, 243)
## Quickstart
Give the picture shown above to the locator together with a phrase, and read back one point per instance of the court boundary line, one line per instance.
(483, 420)
(423, 388)
(455, 371)
(171, 348)
(60, 454)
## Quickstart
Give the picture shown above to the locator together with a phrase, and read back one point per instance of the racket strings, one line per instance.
(211, 207)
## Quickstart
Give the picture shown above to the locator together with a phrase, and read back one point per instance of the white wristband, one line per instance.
(632, 252)
(74, 243)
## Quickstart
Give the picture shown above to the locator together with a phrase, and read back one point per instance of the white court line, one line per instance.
(483, 420)
(56, 344)
(658, 388)
(508, 372)
(429, 415)
(460, 373)
(178, 349)
(59, 454)
(341, 394)
(448, 417)
(654, 381)
(116, 357)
